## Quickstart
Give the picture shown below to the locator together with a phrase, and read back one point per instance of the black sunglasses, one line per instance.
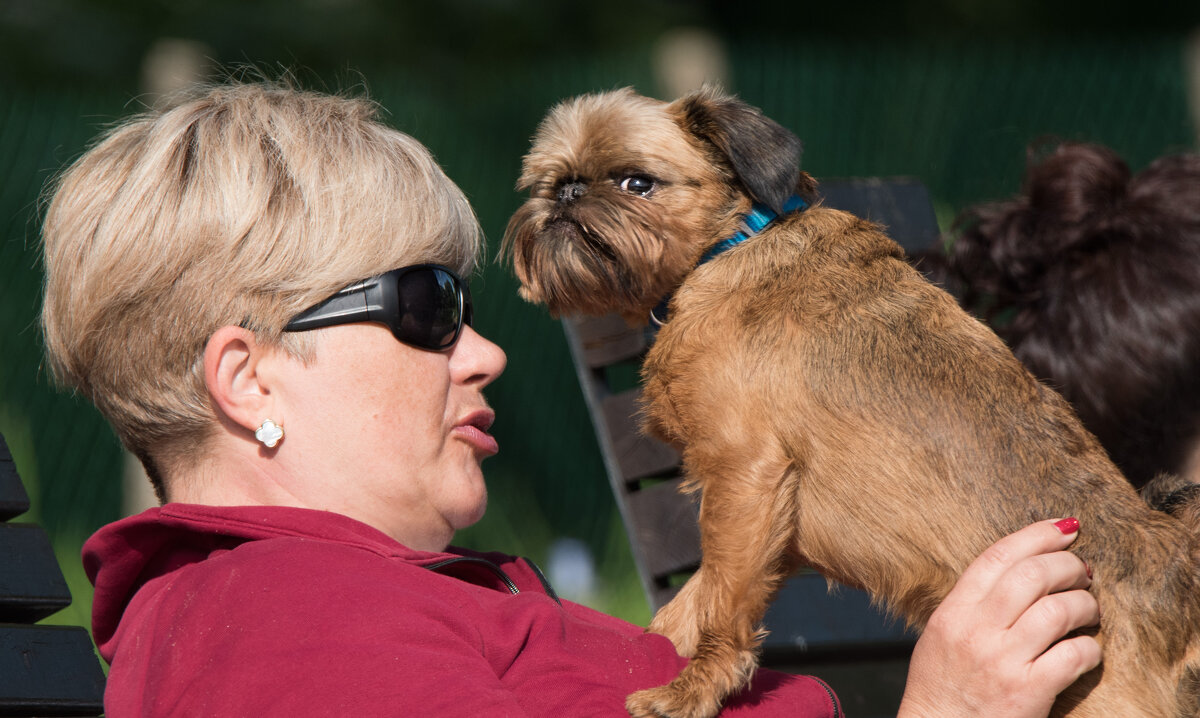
(425, 306)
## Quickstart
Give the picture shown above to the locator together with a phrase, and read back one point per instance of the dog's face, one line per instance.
(627, 192)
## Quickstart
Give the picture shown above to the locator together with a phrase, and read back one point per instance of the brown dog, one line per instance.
(835, 409)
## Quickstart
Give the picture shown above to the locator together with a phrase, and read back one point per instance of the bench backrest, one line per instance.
(44, 670)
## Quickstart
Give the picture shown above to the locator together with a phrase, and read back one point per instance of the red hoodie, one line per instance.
(272, 611)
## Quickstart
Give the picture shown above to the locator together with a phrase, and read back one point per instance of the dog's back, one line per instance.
(902, 415)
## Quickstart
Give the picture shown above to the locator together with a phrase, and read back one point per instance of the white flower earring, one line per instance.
(269, 433)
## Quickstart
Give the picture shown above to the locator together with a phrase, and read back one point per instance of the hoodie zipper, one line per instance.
(508, 582)
(544, 581)
(837, 707)
(499, 573)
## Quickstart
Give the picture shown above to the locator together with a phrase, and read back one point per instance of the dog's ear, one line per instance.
(764, 155)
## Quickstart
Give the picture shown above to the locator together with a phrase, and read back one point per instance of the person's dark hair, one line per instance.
(1092, 276)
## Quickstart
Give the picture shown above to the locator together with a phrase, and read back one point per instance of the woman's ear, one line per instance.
(233, 375)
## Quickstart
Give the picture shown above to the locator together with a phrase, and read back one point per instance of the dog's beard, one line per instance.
(590, 257)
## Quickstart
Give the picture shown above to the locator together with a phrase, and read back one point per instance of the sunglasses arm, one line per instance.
(360, 302)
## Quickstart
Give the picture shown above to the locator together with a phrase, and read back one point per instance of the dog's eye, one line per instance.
(637, 184)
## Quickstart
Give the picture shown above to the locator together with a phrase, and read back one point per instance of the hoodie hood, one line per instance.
(124, 556)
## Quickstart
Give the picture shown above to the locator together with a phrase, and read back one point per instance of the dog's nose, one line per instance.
(571, 191)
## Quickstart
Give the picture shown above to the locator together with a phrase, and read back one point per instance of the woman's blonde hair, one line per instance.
(240, 204)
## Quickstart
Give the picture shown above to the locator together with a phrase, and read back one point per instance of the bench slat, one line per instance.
(608, 339)
(638, 456)
(49, 671)
(14, 501)
(665, 521)
(31, 583)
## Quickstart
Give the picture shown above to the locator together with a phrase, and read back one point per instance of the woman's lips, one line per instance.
(474, 431)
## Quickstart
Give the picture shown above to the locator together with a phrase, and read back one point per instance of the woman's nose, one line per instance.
(476, 360)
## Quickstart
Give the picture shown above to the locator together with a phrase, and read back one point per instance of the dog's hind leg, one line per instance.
(747, 518)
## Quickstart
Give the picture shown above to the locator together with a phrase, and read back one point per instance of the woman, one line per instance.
(260, 288)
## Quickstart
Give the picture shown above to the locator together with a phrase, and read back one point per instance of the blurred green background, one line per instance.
(949, 91)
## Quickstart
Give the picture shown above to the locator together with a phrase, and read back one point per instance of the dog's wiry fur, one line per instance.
(833, 408)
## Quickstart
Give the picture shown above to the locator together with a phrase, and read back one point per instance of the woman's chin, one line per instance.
(471, 514)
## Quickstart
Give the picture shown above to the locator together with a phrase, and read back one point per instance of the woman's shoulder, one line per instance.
(256, 563)
(298, 563)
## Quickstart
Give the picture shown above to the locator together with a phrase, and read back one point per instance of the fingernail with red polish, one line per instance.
(1067, 526)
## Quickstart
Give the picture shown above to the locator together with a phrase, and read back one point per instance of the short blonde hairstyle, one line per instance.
(240, 204)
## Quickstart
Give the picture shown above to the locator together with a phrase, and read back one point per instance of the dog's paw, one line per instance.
(669, 702)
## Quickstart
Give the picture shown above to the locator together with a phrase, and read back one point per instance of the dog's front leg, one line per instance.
(747, 519)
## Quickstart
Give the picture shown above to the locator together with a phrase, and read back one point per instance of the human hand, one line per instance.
(992, 647)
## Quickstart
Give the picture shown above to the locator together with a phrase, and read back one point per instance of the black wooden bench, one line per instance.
(44, 670)
(838, 636)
